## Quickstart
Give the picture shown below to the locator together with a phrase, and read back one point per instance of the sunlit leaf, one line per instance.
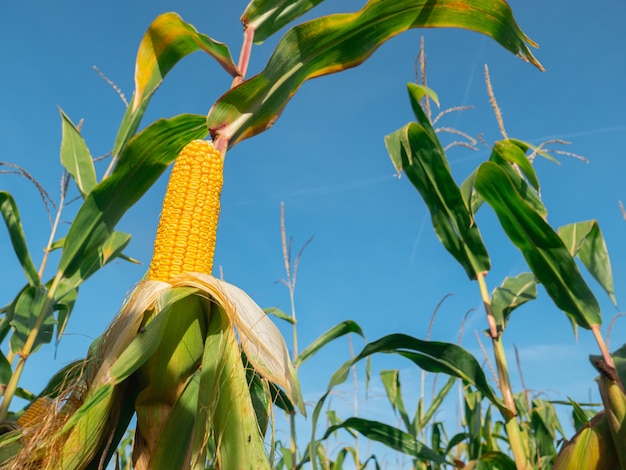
(337, 42)
(513, 292)
(335, 332)
(167, 40)
(585, 240)
(422, 159)
(542, 248)
(390, 436)
(266, 17)
(75, 156)
(506, 154)
(12, 219)
(143, 160)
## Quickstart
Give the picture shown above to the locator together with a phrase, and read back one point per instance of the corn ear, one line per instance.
(185, 239)
(614, 401)
(592, 448)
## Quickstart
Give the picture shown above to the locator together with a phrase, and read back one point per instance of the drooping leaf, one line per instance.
(13, 221)
(75, 156)
(432, 356)
(167, 40)
(390, 436)
(585, 240)
(513, 292)
(421, 157)
(542, 248)
(337, 42)
(143, 160)
(335, 332)
(29, 306)
(267, 17)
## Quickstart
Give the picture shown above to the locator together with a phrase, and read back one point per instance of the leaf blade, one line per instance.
(542, 248)
(337, 42)
(75, 156)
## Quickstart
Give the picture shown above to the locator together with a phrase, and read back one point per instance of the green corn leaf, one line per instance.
(337, 42)
(456, 440)
(167, 40)
(432, 356)
(474, 419)
(110, 249)
(76, 158)
(514, 292)
(506, 154)
(514, 152)
(278, 313)
(416, 150)
(31, 303)
(260, 395)
(545, 424)
(390, 436)
(335, 332)
(437, 401)
(580, 415)
(391, 382)
(5, 370)
(64, 310)
(266, 17)
(493, 459)
(543, 249)
(472, 199)
(536, 149)
(143, 160)
(585, 240)
(11, 216)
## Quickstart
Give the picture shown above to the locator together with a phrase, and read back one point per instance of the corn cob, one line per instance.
(185, 239)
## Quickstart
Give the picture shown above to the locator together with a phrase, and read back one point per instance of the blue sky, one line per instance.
(374, 257)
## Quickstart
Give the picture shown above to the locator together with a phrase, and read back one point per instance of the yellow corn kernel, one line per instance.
(185, 239)
(35, 412)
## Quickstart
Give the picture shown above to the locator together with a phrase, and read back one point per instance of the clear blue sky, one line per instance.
(374, 257)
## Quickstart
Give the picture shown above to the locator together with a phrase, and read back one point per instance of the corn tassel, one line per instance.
(185, 239)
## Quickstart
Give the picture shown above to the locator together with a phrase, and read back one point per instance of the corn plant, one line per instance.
(192, 357)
